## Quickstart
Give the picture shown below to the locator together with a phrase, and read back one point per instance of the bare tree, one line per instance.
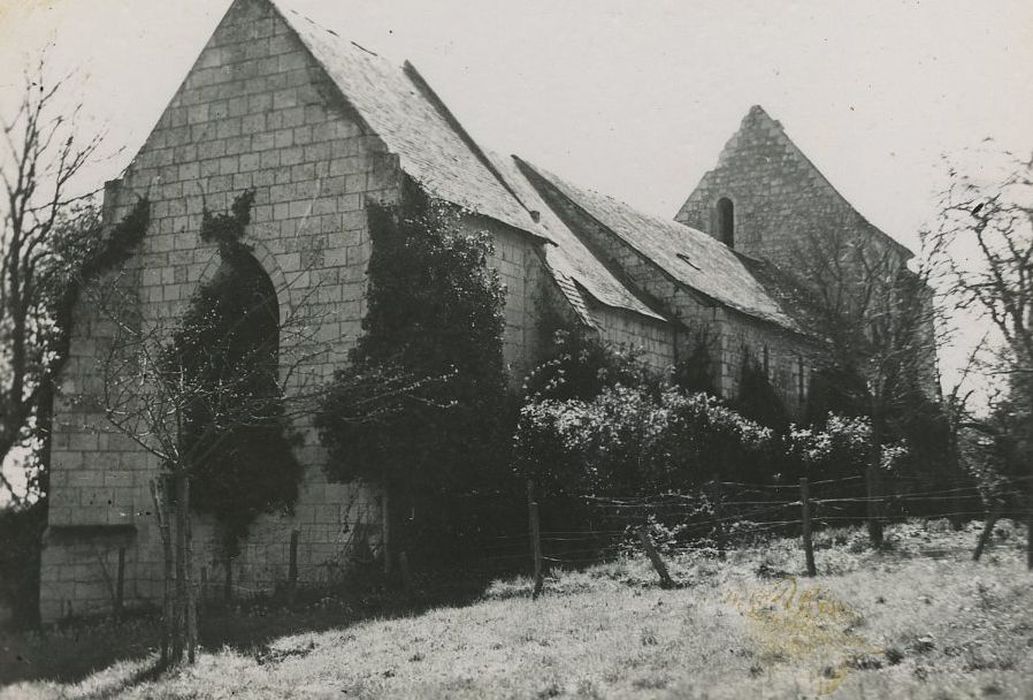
(180, 407)
(988, 226)
(47, 228)
(878, 329)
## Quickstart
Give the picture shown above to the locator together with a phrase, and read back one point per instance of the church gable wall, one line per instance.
(780, 201)
(254, 112)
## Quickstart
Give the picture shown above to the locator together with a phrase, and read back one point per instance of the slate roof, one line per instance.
(793, 299)
(570, 256)
(691, 257)
(392, 101)
(434, 149)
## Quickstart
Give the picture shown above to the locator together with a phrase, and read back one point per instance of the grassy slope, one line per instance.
(895, 624)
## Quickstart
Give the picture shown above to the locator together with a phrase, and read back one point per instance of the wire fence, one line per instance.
(577, 531)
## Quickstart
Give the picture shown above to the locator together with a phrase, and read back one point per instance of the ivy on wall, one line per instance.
(235, 434)
(421, 407)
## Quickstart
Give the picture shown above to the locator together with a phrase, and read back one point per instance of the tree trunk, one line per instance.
(161, 512)
(181, 598)
(227, 584)
(988, 529)
(45, 431)
(188, 569)
(1029, 525)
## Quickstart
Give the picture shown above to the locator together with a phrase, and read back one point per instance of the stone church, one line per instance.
(318, 126)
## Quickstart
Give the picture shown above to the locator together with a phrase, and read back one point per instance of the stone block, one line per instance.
(197, 114)
(292, 156)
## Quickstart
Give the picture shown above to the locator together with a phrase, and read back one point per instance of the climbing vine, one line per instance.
(420, 408)
(235, 437)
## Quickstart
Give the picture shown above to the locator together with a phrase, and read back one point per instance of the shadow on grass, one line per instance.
(71, 652)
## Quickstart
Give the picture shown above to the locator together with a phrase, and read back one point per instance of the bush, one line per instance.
(839, 449)
(629, 441)
(580, 366)
(758, 400)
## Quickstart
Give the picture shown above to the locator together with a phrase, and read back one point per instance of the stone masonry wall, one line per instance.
(731, 334)
(655, 338)
(522, 273)
(635, 269)
(254, 112)
(786, 212)
(781, 201)
(788, 359)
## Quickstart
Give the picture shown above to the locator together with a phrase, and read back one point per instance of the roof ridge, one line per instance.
(450, 118)
(536, 175)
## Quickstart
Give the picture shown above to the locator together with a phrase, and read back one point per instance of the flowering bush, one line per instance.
(580, 366)
(632, 441)
(839, 449)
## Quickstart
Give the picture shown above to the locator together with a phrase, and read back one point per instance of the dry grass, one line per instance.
(894, 624)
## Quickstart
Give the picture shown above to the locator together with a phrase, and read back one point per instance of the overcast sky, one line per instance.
(632, 98)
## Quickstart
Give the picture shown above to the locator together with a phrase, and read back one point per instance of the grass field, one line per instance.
(917, 620)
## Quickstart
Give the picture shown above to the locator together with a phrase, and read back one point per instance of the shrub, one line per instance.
(694, 373)
(758, 400)
(841, 448)
(580, 366)
(631, 441)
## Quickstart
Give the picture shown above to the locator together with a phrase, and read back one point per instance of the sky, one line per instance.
(633, 98)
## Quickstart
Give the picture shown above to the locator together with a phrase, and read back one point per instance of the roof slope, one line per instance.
(570, 257)
(434, 149)
(394, 103)
(689, 256)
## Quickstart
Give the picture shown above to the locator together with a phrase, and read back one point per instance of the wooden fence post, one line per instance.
(988, 528)
(654, 557)
(719, 514)
(808, 544)
(120, 583)
(292, 570)
(536, 540)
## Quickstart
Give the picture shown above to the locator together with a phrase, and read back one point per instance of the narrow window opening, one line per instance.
(800, 381)
(725, 221)
(767, 362)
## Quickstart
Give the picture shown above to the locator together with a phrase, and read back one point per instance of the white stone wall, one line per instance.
(254, 112)
(654, 338)
(789, 358)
